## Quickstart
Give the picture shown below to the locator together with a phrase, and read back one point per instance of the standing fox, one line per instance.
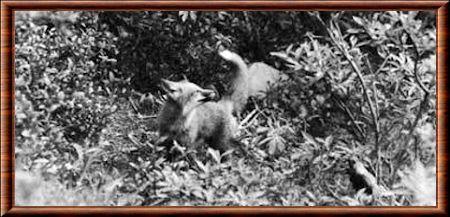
(191, 116)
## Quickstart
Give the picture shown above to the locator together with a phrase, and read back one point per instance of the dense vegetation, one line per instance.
(354, 124)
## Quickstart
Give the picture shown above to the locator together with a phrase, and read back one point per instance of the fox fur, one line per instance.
(192, 117)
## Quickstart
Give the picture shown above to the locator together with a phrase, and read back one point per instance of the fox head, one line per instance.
(186, 94)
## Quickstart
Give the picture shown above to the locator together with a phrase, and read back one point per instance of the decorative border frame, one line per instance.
(7, 102)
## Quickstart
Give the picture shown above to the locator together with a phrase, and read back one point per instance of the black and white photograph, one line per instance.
(225, 108)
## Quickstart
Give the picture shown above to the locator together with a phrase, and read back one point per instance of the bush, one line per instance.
(65, 88)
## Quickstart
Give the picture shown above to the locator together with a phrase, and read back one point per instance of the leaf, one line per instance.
(353, 40)
(41, 160)
(227, 153)
(257, 194)
(184, 15)
(311, 195)
(264, 141)
(353, 31)
(310, 139)
(297, 155)
(328, 142)
(360, 193)
(209, 195)
(287, 58)
(111, 76)
(26, 133)
(202, 166)
(272, 147)
(197, 194)
(358, 20)
(79, 151)
(214, 154)
(20, 81)
(289, 48)
(192, 15)
(261, 130)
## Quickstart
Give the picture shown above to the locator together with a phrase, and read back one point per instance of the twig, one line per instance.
(133, 105)
(248, 119)
(134, 140)
(382, 64)
(350, 115)
(147, 116)
(416, 62)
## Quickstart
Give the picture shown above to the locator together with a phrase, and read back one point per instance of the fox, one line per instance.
(191, 116)
(250, 80)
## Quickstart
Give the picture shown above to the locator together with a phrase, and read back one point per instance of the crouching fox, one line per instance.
(250, 80)
(191, 116)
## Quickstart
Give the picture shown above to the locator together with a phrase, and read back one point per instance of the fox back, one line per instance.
(261, 77)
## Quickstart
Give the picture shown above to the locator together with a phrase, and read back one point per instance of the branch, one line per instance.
(423, 103)
(374, 88)
(358, 72)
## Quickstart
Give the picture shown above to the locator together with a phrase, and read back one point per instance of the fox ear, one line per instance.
(168, 86)
(184, 77)
(208, 95)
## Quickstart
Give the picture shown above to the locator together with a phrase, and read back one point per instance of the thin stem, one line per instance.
(351, 116)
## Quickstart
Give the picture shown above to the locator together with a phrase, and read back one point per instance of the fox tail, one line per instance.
(239, 84)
